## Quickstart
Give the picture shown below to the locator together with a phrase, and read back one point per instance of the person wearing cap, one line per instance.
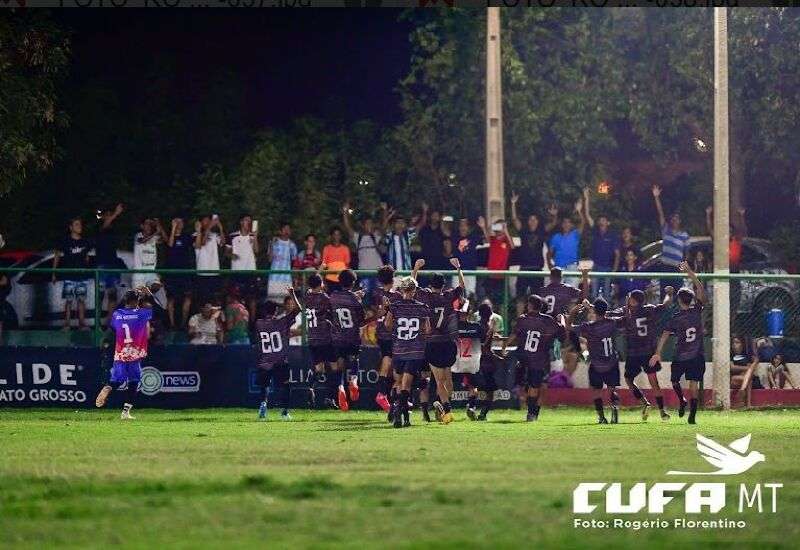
(500, 246)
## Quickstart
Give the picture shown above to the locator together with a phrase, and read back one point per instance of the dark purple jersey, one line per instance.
(599, 337)
(347, 317)
(558, 297)
(408, 338)
(535, 336)
(640, 328)
(272, 340)
(318, 318)
(687, 326)
(381, 332)
(444, 315)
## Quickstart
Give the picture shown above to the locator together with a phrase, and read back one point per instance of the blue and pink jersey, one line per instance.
(132, 333)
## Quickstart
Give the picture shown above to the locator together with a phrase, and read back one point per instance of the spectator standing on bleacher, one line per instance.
(205, 328)
(605, 249)
(500, 247)
(243, 249)
(675, 242)
(397, 241)
(367, 244)
(208, 237)
(180, 255)
(106, 257)
(464, 246)
(533, 241)
(431, 239)
(564, 247)
(335, 257)
(73, 252)
(282, 251)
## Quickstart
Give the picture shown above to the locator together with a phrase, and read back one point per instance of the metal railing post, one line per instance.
(98, 308)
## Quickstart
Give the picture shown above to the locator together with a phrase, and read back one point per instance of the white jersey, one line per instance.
(145, 254)
(207, 256)
(242, 249)
(468, 360)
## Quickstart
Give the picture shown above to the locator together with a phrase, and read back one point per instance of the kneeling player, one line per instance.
(535, 334)
(687, 326)
(640, 320)
(272, 336)
(131, 325)
(598, 334)
(409, 321)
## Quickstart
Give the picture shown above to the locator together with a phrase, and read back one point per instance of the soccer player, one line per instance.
(348, 317)
(468, 359)
(131, 325)
(272, 341)
(386, 388)
(687, 326)
(598, 333)
(318, 332)
(486, 381)
(535, 333)
(558, 297)
(409, 322)
(640, 321)
(441, 349)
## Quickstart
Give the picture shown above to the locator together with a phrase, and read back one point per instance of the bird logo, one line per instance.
(731, 460)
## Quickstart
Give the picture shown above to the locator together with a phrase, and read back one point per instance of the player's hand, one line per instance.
(455, 263)
(656, 191)
(669, 291)
(514, 197)
(654, 360)
(419, 264)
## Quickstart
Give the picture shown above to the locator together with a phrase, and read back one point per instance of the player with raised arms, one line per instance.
(687, 326)
(535, 333)
(347, 319)
(131, 325)
(409, 322)
(272, 336)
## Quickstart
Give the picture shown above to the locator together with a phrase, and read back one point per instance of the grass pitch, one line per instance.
(220, 478)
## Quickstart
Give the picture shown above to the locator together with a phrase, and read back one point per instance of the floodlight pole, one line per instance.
(495, 197)
(722, 295)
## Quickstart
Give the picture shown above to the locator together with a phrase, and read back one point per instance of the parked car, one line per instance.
(37, 301)
(752, 296)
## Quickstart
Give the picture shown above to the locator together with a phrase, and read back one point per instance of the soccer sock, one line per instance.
(598, 406)
(425, 406)
(533, 405)
(312, 379)
(614, 399)
(637, 393)
(678, 390)
(283, 396)
(487, 403)
(333, 385)
(660, 401)
(264, 392)
(384, 385)
(405, 397)
(692, 407)
(130, 395)
(471, 402)
(446, 407)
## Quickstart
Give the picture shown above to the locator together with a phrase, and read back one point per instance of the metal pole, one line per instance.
(722, 312)
(495, 197)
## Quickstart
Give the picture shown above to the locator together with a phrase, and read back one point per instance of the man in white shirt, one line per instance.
(208, 237)
(205, 328)
(145, 252)
(243, 247)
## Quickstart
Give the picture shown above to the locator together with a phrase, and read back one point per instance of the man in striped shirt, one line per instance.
(675, 242)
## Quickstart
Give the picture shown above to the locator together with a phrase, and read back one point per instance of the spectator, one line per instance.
(367, 244)
(208, 236)
(500, 247)
(565, 246)
(237, 320)
(106, 257)
(629, 265)
(309, 258)
(397, 242)
(532, 248)
(675, 242)
(145, 252)
(464, 247)
(8, 317)
(738, 232)
(699, 262)
(605, 249)
(744, 362)
(180, 255)
(73, 253)
(205, 328)
(282, 252)
(335, 257)
(243, 248)
(778, 374)
(628, 242)
(431, 238)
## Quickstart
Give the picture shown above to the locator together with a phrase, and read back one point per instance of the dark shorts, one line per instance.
(322, 353)
(385, 347)
(609, 378)
(348, 351)
(692, 369)
(485, 380)
(536, 377)
(408, 366)
(441, 355)
(278, 374)
(639, 363)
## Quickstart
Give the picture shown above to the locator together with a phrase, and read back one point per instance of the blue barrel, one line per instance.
(775, 322)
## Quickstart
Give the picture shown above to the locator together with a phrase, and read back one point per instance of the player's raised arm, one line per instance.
(584, 284)
(295, 300)
(662, 220)
(457, 264)
(419, 264)
(669, 294)
(699, 289)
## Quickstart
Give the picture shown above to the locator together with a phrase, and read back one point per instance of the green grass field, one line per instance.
(213, 478)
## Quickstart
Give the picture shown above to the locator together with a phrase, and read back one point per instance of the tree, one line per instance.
(34, 58)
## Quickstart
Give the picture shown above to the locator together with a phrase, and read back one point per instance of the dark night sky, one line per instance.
(294, 61)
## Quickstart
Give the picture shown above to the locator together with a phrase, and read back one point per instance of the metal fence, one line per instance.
(762, 304)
